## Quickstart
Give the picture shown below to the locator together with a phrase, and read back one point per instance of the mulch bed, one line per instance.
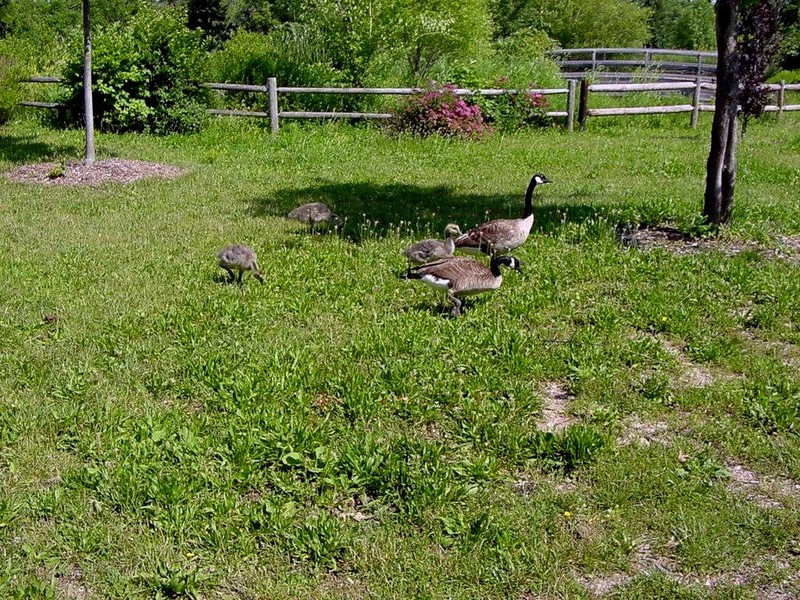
(112, 170)
(675, 241)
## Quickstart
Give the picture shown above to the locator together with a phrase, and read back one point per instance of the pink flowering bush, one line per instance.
(439, 111)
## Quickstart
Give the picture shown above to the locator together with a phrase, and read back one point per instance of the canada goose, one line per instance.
(314, 214)
(501, 235)
(240, 258)
(461, 276)
(428, 250)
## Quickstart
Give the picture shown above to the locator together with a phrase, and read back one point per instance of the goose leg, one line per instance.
(231, 275)
(239, 279)
(456, 305)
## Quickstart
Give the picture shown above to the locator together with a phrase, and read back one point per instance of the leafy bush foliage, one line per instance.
(515, 110)
(10, 89)
(147, 75)
(682, 24)
(440, 111)
(288, 54)
(576, 23)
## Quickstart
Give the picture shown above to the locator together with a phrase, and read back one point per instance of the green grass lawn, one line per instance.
(334, 433)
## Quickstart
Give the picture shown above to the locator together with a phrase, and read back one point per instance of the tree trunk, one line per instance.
(88, 110)
(721, 165)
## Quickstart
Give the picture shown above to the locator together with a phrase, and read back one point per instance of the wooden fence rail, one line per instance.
(690, 88)
(680, 61)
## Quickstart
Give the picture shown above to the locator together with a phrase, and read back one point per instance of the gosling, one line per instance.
(429, 250)
(460, 276)
(241, 258)
(315, 214)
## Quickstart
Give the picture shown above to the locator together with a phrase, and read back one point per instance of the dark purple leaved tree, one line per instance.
(758, 43)
(747, 37)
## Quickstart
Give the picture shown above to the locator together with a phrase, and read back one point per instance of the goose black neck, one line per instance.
(528, 197)
(494, 266)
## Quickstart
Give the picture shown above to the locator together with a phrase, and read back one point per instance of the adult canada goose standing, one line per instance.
(429, 250)
(241, 258)
(315, 214)
(502, 235)
(461, 276)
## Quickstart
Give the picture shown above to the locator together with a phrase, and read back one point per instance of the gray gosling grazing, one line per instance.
(241, 258)
(460, 276)
(428, 250)
(502, 235)
(316, 214)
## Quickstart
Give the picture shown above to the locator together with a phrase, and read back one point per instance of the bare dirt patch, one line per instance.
(766, 492)
(112, 170)
(692, 375)
(672, 239)
(602, 585)
(71, 584)
(556, 403)
(643, 434)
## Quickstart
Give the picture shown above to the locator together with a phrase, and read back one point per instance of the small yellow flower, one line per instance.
(663, 319)
(567, 514)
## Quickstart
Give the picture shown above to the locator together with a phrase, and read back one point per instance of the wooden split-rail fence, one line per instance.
(606, 66)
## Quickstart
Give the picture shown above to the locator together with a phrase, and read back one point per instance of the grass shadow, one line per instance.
(23, 149)
(375, 209)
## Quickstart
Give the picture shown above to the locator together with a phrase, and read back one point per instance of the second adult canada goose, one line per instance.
(461, 276)
(241, 258)
(428, 250)
(315, 214)
(502, 235)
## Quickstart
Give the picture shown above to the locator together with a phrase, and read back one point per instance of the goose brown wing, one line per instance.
(453, 268)
(487, 233)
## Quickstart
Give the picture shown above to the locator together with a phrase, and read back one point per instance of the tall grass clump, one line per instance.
(291, 54)
(10, 89)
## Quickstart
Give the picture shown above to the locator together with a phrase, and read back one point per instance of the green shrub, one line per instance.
(577, 23)
(146, 76)
(289, 55)
(10, 88)
(515, 110)
(787, 76)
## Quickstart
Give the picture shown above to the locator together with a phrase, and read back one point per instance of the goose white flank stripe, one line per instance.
(461, 276)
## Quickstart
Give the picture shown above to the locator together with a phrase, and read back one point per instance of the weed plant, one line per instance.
(334, 433)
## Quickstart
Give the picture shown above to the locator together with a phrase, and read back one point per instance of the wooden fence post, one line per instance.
(781, 97)
(571, 105)
(696, 103)
(272, 90)
(583, 110)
